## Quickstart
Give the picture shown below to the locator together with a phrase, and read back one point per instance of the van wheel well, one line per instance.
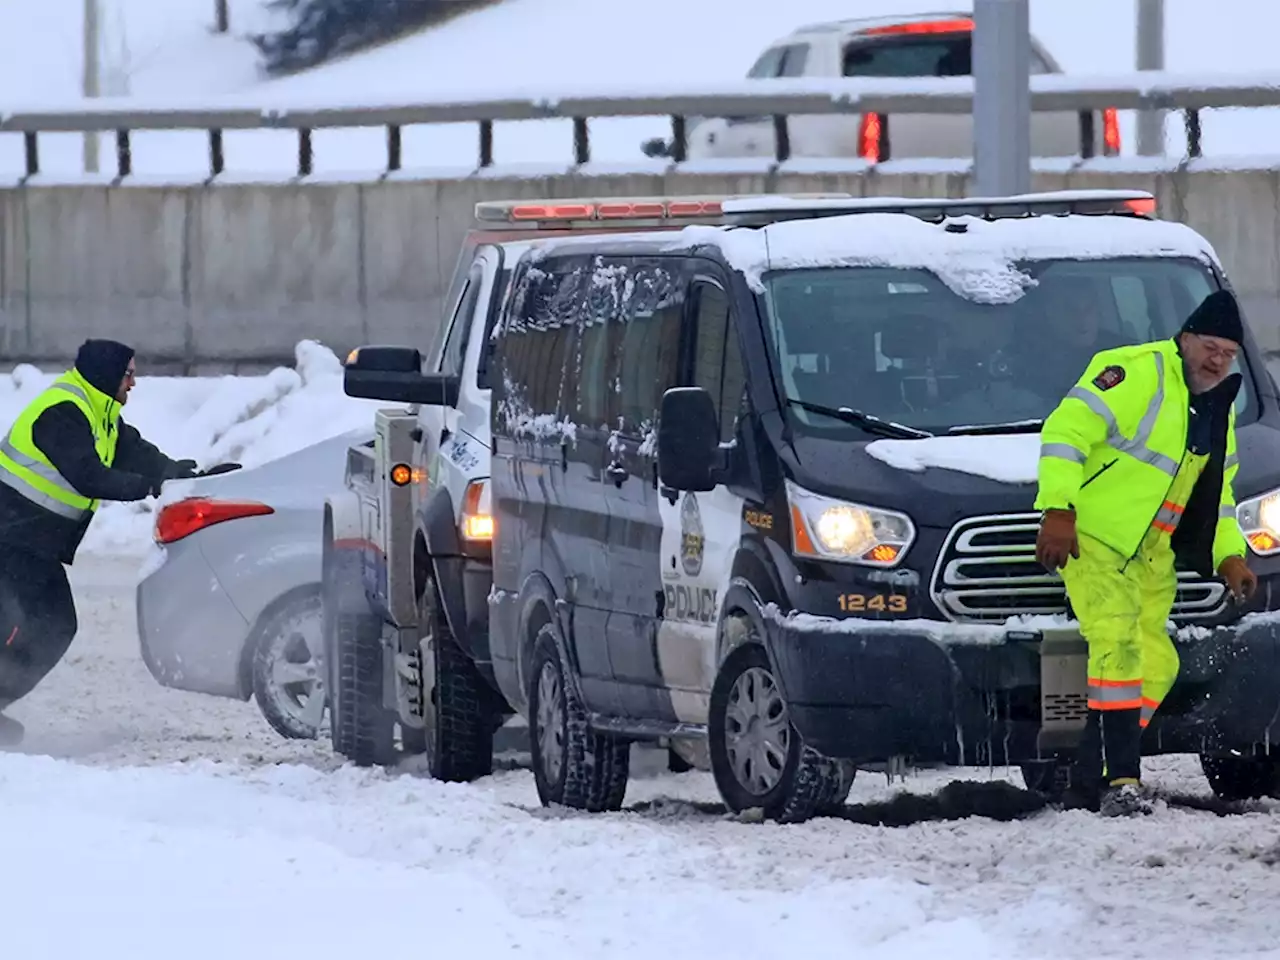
(539, 617)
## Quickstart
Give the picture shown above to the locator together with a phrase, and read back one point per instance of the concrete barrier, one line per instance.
(230, 277)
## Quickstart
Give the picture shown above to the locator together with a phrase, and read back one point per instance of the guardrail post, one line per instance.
(1191, 117)
(781, 139)
(305, 156)
(679, 140)
(581, 142)
(486, 143)
(393, 147)
(124, 154)
(32, 150)
(217, 159)
(1088, 134)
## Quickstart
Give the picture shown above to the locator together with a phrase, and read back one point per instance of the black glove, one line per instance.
(219, 468)
(181, 470)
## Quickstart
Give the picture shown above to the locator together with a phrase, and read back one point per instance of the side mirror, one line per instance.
(395, 374)
(688, 440)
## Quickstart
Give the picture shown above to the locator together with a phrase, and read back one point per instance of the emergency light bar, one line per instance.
(762, 210)
(623, 212)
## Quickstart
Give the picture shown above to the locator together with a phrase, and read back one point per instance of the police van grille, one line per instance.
(987, 571)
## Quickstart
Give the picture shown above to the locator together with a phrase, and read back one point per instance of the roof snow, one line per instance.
(979, 264)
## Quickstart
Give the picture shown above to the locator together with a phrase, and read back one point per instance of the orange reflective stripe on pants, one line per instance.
(1149, 708)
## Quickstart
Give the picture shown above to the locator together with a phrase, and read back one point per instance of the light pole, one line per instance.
(1149, 55)
(1001, 97)
(90, 80)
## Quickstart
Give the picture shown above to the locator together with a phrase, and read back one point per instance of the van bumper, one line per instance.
(970, 695)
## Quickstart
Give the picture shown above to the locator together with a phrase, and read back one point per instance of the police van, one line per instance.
(763, 489)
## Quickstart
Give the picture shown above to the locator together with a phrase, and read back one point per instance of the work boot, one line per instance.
(11, 732)
(1126, 800)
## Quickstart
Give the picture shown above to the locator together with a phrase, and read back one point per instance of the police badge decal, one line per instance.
(692, 538)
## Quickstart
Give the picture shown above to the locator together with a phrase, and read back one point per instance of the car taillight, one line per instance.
(1110, 132)
(185, 517)
(870, 133)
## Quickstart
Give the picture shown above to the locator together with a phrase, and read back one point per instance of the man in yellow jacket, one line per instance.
(1136, 471)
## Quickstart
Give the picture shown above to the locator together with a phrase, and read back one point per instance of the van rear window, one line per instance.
(918, 55)
(902, 346)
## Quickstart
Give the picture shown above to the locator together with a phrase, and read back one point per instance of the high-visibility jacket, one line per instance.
(25, 468)
(1112, 448)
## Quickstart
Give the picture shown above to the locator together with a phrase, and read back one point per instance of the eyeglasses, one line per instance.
(1227, 353)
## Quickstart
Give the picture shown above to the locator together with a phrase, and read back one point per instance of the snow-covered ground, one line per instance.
(140, 822)
(164, 48)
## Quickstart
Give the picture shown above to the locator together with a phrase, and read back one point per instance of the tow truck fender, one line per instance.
(342, 557)
(437, 523)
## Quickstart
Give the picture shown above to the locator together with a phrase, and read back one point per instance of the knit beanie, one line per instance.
(1217, 316)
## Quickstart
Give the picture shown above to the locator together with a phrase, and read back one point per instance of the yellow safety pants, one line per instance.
(1123, 611)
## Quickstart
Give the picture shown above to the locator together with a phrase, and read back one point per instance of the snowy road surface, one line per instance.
(158, 822)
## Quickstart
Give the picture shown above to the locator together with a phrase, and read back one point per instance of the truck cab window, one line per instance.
(717, 363)
(455, 347)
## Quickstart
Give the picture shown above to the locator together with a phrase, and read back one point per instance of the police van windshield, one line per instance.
(895, 352)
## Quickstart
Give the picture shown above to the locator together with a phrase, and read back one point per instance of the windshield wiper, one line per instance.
(882, 428)
(1014, 426)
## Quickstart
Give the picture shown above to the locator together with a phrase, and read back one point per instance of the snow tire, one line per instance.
(457, 702)
(809, 783)
(573, 765)
(363, 730)
(1242, 778)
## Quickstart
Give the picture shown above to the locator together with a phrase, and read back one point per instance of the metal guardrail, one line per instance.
(776, 99)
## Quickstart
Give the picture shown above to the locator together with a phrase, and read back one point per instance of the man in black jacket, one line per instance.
(68, 450)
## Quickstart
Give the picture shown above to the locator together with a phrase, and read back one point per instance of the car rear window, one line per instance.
(923, 55)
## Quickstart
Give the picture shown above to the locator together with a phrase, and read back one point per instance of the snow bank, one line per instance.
(250, 420)
(1008, 459)
(978, 264)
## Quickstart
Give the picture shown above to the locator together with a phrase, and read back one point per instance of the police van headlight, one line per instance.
(1260, 522)
(827, 529)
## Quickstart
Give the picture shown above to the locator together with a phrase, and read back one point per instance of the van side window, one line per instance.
(602, 313)
(539, 339)
(455, 347)
(645, 350)
(717, 364)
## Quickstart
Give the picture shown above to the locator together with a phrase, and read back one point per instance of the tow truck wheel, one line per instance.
(573, 765)
(1242, 778)
(757, 756)
(362, 729)
(458, 727)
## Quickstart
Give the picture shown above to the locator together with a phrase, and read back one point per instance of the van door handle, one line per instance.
(617, 473)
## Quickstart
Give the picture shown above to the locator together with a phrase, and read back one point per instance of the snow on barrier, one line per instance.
(247, 419)
(779, 99)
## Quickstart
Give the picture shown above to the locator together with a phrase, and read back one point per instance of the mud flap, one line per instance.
(1064, 689)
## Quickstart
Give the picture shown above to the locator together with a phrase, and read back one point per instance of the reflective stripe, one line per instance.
(1136, 447)
(52, 504)
(1149, 708)
(1063, 451)
(1233, 460)
(1226, 512)
(1114, 694)
(72, 389)
(1167, 517)
(42, 470)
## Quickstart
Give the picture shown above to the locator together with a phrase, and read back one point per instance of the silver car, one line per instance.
(229, 602)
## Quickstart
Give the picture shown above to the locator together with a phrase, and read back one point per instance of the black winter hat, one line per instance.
(103, 363)
(1217, 316)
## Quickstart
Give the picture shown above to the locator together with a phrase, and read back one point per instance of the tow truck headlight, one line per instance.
(476, 522)
(1260, 522)
(828, 529)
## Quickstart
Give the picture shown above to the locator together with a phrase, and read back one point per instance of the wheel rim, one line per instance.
(757, 734)
(550, 717)
(296, 680)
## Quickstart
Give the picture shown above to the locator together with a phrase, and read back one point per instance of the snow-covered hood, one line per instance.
(938, 481)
